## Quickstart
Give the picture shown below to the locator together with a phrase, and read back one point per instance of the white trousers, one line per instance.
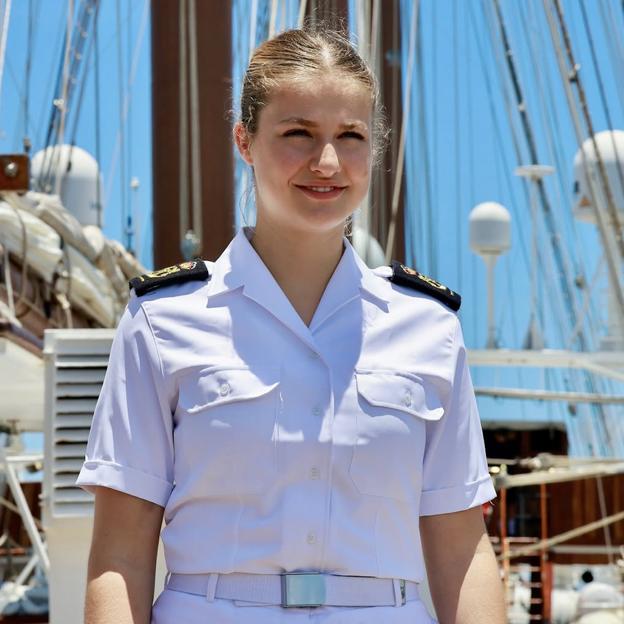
(174, 607)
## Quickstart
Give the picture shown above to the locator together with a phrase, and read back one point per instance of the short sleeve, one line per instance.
(455, 470)
(130, 446)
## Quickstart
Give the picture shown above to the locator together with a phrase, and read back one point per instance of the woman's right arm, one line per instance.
(122, 560)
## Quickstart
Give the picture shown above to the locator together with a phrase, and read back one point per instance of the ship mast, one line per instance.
(191, 140)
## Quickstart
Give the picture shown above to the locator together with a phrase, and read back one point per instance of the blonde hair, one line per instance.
(294, 55)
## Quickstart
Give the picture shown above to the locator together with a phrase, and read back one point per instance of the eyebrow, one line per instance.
(312, 124)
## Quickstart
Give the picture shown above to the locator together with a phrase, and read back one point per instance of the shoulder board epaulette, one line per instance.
(178, 273)
(404, 276)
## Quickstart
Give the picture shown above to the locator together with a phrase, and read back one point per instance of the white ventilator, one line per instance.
(490, 237)
(75, 365)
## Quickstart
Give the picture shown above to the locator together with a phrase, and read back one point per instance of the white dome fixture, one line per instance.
(610, 146)
(80, 180)
(535, 174)
(592, 205)
(368, 248)
(490, 237)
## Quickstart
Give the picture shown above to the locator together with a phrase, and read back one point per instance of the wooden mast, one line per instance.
(213, 21)
(214, 69)
(392, 99)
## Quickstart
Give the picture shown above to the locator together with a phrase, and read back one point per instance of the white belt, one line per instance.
(308, 589)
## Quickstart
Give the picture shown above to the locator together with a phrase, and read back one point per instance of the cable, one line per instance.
(4, 35)
(183, 195)
(603, 97)
(195, 127)
(97, 125)
(122, 122)
(396, 191)
(27, 71)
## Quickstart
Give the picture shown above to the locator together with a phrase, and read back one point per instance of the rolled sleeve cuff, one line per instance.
(125, 479)
(459, 498)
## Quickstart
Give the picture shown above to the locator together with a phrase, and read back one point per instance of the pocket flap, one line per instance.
(219, 386)
(400, 391)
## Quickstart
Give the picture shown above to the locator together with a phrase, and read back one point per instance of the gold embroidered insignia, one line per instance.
(406, 276)
(183, 272)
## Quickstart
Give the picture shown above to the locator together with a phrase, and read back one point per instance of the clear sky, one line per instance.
(464, 142)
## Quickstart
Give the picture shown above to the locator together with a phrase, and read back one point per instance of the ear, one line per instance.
(243, 142)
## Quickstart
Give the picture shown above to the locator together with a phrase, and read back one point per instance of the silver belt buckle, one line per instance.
(303, 589)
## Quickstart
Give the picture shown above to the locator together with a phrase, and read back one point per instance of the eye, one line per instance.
(352, 134)
(296, 132)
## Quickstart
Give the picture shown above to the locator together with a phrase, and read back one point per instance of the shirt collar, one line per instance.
(240, 266)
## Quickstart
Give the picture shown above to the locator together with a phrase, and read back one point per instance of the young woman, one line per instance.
(307, 425)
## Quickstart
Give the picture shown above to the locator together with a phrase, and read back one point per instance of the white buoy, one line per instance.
(79, 174)
(490, 236)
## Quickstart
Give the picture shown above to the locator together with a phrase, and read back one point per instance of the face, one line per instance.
(311, 154)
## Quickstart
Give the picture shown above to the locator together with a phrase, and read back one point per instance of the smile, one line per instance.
(322, 192)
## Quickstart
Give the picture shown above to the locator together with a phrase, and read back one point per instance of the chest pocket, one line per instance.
(226, 430)
(391, 416)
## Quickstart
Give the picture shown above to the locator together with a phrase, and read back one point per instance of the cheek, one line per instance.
(278, 165)
(359, 164)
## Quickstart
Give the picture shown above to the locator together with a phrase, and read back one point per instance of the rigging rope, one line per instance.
(183, 193)
(273, 19)
(98, 146)
(614, 45)
(26, 142)
(120, 103)
(4, 34)
(133, 70)
(603, 97)
(65, 91)
(396, 191)
(195, 127)
(303, 5)
(418, 137)
(457, 140)
(576, 79)
(564, 278)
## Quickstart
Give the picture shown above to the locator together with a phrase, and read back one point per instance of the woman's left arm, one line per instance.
(462, 570)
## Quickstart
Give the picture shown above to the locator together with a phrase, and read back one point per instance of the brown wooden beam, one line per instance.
(213, 20)
(391, 96)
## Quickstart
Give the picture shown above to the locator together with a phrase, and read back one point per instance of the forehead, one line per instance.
(331, 98)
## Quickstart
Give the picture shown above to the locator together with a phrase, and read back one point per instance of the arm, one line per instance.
(122, 560)
(461, 568)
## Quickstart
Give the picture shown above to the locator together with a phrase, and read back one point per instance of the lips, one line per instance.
(317, 191)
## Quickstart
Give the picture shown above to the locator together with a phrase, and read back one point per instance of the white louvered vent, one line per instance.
(75, 364)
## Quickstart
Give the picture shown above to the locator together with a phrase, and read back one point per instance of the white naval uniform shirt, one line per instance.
(274, 446)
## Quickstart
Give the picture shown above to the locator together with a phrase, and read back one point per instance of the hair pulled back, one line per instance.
(297, 54)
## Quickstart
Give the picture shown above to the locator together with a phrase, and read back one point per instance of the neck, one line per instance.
(301, 263)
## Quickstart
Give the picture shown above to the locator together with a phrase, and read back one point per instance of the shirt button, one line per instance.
(224, 389)
(407, 399)
(311, 538)
(317, 411)
(315, 473)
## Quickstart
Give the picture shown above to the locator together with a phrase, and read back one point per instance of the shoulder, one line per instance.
(161, 280)
(407, 278)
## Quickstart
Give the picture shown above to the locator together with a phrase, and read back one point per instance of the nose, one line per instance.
(328, 163)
